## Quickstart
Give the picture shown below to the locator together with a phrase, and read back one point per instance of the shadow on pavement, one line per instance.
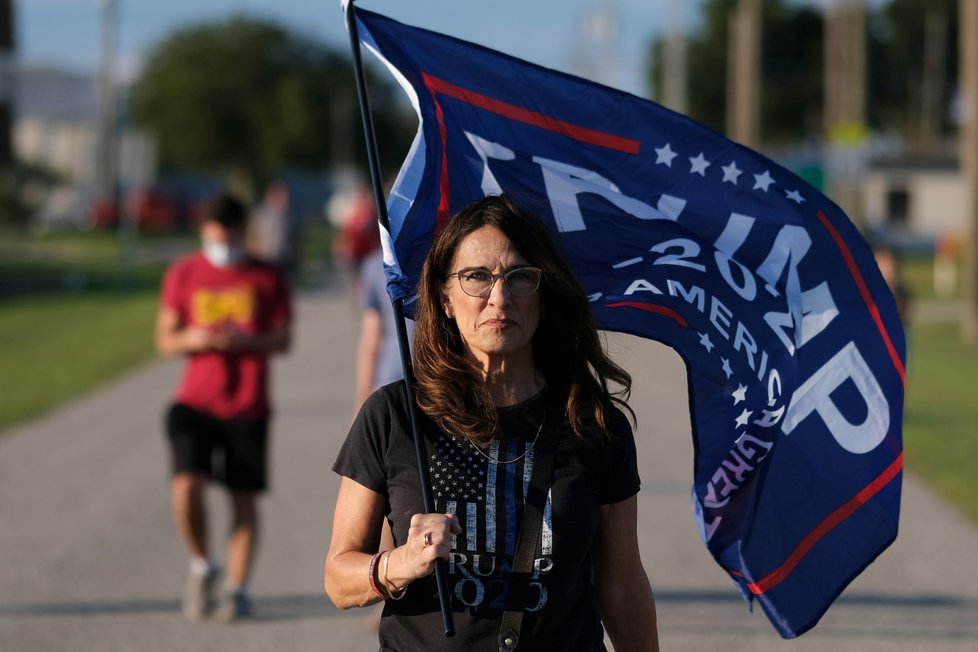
(854, 599)
(298, 606)
(267, 608)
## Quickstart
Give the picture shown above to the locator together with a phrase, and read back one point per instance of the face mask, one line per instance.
(221, 254)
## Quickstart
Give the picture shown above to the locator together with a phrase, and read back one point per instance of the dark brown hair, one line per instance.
(566, 346)
(227, 210)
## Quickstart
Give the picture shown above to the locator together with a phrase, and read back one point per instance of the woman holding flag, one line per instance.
(532, 462)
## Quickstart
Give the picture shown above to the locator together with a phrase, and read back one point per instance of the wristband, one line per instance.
(372, 575)
(395, 594)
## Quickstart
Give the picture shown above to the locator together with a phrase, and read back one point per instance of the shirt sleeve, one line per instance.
(621, 461)
(362, 457)
(372, 284)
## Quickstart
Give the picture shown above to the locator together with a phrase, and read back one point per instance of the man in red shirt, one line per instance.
(226, 313)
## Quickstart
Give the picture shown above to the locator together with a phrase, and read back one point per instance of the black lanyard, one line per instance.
(529, 537)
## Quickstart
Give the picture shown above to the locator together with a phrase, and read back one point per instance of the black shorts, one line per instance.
(233, 452)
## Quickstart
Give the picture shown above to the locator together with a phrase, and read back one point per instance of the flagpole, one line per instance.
(441, 573)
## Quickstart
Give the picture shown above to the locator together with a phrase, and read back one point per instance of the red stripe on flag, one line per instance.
(864, 291)
(441, 218)
(779, 575)
(519, 114)
(653, 308)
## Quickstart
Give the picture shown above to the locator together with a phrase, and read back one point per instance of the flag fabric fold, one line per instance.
(793, 346)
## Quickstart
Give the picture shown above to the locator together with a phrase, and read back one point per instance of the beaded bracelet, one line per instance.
(372, 575)
(395, 594)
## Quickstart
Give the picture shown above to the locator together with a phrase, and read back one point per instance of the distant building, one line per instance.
(919, 200)
(55, 95)
(54, 127)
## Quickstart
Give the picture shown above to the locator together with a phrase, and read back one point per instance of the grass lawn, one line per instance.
(76, 309)
(56, 347)
(941, 413)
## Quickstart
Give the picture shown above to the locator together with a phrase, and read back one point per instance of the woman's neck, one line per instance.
(509, 384)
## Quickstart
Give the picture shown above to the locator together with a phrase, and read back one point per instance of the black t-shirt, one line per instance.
(560, 606)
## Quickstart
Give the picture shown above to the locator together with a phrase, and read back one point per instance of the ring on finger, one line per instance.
(427, 538)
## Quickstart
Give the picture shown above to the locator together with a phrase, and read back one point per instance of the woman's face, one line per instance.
(496, 329)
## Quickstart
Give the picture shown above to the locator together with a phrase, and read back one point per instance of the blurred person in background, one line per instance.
(226, 312)
(271, 232)
(378, 351)
(946, 253)
(886, 260)
(358, 236)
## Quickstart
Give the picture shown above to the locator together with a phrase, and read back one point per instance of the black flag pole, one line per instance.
(441, 572)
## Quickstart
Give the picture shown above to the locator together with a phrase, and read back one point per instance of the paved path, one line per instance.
(90, 561)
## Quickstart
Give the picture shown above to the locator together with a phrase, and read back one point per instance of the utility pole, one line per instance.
(968, 82)
(595, 51)
(744, 74)
(674, 75)
(7, 83)
(105, 128)
(107, 142)
(845, 103)
(932, 83)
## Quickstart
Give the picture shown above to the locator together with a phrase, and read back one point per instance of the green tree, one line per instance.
(793, 62)
(246, 98)
(900, 85)
(898, 38)
(791, 75)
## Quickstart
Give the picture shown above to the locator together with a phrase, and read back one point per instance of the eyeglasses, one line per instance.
(478, 282)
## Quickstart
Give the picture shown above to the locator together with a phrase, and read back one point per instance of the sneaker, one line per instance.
(232, 605)
(198, 594)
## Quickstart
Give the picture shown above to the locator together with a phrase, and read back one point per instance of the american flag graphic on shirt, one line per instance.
(488, 500)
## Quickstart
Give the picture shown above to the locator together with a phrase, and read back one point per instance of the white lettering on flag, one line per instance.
(486, 150)
(815, 395)
(564, 182)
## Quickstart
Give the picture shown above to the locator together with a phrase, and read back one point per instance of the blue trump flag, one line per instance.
(791, 338)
